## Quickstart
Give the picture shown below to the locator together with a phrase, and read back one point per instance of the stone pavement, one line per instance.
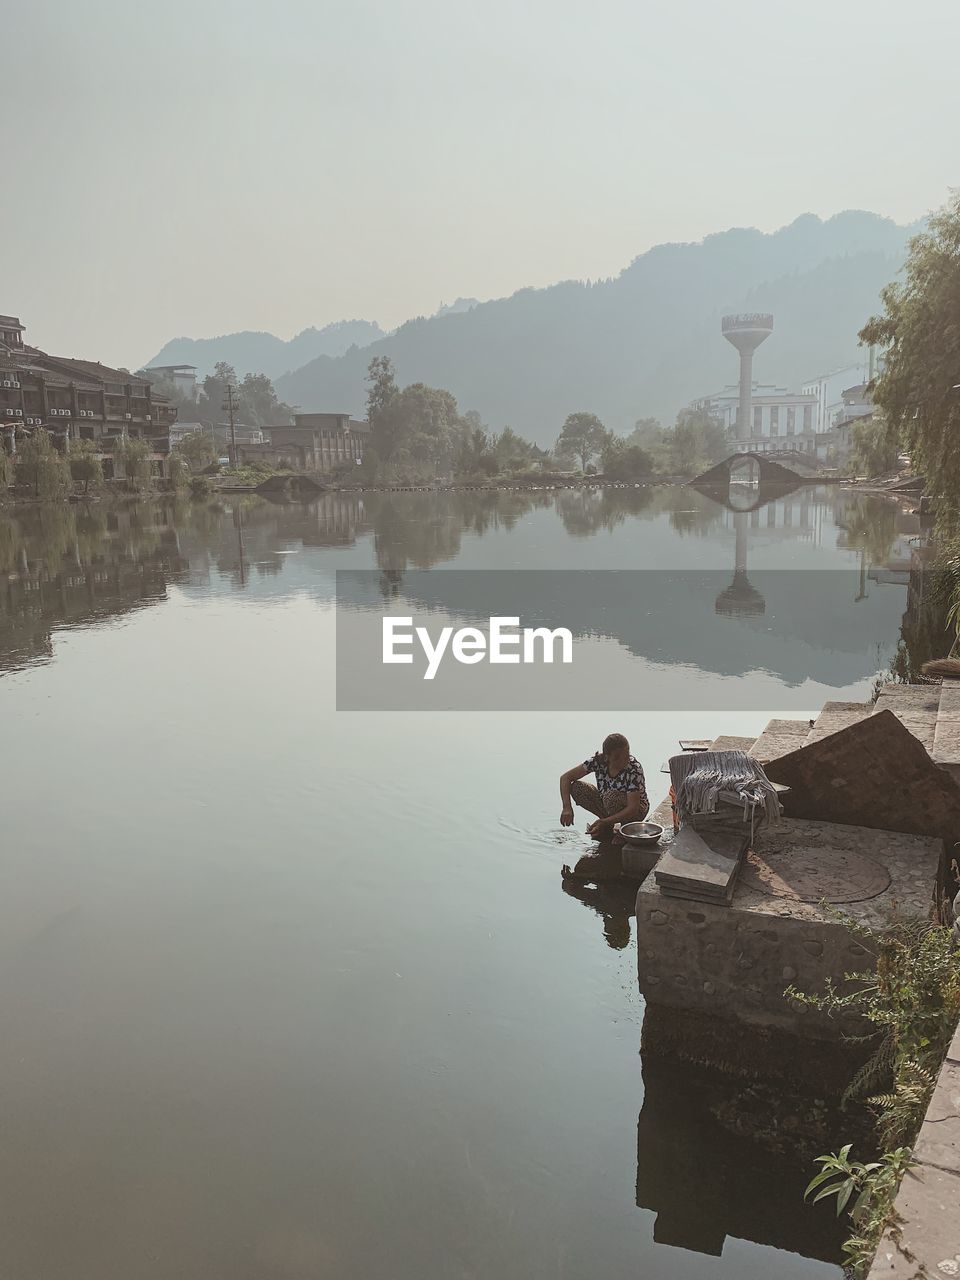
(925, 1241)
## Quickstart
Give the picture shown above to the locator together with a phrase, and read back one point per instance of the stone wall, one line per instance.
(736, 962)
(726, 962)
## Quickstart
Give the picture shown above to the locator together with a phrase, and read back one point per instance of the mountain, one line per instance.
(644, 343)
(251, 352)
(453, 308)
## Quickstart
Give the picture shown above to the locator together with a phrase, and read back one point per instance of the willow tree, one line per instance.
(41, 468)
(918, 391)
(85, 465)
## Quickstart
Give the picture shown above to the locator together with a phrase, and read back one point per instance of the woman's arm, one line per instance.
(572, 775)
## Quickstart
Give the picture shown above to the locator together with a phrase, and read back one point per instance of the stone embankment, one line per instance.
(714, 975)
(924, 1240)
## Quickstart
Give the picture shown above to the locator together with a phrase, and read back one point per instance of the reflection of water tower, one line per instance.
(741, 599)
(746, 333)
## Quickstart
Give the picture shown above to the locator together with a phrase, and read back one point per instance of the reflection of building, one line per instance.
(73, 569)
(741, 599)
(73, 399)
(706, 1181)
(66, 567)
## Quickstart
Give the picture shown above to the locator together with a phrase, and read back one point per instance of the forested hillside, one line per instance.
(644, 343)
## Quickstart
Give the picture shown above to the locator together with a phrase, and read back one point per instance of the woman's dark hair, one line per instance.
(613, 742)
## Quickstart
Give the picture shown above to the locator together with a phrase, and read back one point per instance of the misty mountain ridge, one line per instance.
(258, 352)
(643, 343)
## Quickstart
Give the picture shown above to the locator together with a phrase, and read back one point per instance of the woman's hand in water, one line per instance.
(566, 817)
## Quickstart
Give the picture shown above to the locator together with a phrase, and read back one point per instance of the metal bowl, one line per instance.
(641, 832)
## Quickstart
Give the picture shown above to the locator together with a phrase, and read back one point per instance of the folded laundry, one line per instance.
(703, 779)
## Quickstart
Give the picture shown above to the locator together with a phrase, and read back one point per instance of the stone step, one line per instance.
(836, 716)
(916, 706)
(731, 742)
(946, 738)
(779, 738)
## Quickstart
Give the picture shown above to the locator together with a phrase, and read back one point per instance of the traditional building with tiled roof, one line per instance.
(72, 398)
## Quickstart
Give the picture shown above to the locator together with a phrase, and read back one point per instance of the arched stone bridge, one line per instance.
(769, 472)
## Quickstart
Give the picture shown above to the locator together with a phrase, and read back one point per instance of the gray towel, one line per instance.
(698, 779)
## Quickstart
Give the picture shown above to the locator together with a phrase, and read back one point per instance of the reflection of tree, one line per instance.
(870, 525)
(924, 632)
(71, 565)
(10, 542)
(586, 511)
(690, 515)
(414, 535)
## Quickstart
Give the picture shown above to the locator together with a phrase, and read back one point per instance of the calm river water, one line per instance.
(289, 993)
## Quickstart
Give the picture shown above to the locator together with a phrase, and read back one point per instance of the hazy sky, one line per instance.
(195, 167)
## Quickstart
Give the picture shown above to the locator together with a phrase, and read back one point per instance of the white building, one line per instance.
(828, 388)
(183, 377)
(781, 419)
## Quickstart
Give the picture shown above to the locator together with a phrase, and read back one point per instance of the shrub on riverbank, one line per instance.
(132, 457)
(913, 1003)
(178, 470)
(86, 468)
(40, 468)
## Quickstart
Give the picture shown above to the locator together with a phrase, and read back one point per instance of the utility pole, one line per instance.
(231, 406)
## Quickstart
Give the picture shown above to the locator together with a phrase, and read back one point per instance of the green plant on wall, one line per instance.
(867, 1192)
(911, 1006)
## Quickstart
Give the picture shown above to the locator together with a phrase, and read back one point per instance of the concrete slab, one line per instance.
(836, 716)
(923, 728)
(926, 1239)
(695, 866)
(779, 737)
(946, 741)
(916, 706)
(939, 1140)
(950, 700)
(730, 742)
(909, 699)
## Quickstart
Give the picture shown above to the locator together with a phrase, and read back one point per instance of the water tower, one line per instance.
(746, 333)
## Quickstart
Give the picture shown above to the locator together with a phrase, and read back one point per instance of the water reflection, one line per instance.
(712, 1163)
(371, 1051)
(596, 880)
(74, 565)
